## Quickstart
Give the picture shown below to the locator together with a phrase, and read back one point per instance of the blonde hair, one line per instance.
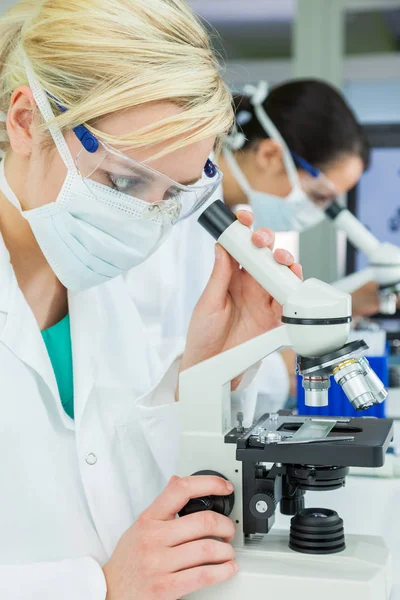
(99, 57)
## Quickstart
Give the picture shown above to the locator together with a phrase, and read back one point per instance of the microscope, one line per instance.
(384, 259)
(279, 458)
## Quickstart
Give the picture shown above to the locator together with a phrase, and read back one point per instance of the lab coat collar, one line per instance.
(85, 336)
(21, 335)
(19, 331)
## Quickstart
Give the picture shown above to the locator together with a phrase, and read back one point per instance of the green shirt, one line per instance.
(59, 348)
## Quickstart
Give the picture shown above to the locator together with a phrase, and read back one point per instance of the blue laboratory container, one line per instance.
(339, 405)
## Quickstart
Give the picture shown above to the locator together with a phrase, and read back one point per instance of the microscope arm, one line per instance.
(200, 386)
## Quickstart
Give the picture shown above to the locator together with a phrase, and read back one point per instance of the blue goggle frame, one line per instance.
(305, 165)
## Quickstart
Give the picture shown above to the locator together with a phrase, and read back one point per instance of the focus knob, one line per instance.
(220, 504)
(263, 506)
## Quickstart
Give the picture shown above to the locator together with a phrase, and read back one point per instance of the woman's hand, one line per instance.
(366, 300)
(234, 308)
(161, 557)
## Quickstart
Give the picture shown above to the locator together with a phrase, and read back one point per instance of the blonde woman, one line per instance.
(111, 109)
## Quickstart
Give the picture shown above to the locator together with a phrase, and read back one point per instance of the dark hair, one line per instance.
(313, 119)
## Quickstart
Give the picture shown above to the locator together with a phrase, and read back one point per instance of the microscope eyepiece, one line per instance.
(334, 210)
(217, 218)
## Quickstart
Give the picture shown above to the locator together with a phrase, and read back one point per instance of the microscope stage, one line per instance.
(372, 438)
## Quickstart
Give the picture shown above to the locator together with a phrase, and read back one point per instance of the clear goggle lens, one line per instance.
(319, 189)
(113, 169)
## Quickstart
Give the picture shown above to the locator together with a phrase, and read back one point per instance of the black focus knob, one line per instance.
(263, 505)
(220, 504)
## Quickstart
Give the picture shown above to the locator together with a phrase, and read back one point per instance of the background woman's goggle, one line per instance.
(316, 185)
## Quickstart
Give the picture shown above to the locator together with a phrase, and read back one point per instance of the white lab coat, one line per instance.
(69, 489)
(167, 287)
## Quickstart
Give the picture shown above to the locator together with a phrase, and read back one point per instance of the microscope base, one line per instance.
(268, 568)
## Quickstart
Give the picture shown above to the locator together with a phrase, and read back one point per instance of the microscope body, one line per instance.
(266, 476)
(316, 321)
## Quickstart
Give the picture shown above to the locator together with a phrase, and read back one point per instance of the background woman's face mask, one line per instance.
(295, 212)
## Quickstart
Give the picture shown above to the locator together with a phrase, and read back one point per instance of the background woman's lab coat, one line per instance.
(69, 489)
(167, 287)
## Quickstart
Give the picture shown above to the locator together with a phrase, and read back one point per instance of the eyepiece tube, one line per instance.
(222, 224)
(357, 233)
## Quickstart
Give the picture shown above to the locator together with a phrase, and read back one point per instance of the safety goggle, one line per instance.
(317, 186)
(105, 165)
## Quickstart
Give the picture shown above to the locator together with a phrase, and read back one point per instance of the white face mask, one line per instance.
(91, 233)
(90, 238)
(295, 212)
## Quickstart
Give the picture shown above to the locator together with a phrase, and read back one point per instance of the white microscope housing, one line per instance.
(384, 259)
(316, 321)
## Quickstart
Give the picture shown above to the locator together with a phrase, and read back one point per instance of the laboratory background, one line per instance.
(355, 46)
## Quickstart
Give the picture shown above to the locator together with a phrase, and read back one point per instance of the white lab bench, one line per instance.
(368, 505)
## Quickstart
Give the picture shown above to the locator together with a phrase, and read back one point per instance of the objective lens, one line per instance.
(316, 390)
(377, 388)
(350, 376)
